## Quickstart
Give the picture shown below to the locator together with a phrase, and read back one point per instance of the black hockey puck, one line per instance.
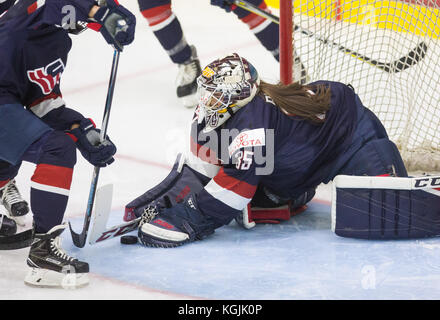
(129, 239)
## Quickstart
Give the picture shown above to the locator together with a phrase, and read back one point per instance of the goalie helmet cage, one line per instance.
(388, 50)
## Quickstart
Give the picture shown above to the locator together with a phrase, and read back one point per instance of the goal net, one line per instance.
(389, 51)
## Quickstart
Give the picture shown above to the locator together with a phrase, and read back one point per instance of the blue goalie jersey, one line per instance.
(260, 145)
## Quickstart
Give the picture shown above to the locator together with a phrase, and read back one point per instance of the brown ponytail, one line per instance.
(295, 100)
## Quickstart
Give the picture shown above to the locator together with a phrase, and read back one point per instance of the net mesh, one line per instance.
(389, 51)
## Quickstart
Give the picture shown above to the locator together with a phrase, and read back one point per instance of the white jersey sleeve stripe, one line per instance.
(207, 169)
(44, 107)
(226, 196)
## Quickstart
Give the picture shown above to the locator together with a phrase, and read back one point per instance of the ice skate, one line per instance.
(16, 206)
(50, 266)
(8, 226)
(186, 80)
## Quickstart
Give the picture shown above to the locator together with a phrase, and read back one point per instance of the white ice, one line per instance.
(299, 259)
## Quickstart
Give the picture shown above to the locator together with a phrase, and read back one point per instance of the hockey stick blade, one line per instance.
(412, 58)
(99, 231)
(115, 231)
(78, 239)
(16, 241)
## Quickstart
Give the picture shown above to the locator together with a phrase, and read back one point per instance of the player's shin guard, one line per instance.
(386, 207)
(50, 266)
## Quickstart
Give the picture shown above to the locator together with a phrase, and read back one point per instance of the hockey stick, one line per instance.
(412, 58)
(16, 241)
(99, 231)
(79, 240)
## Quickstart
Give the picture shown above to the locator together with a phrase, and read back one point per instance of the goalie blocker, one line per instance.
(386, 207)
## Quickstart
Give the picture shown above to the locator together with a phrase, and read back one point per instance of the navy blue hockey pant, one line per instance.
(168, 30)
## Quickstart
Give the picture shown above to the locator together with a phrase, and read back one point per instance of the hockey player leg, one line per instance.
(386, 207)
(50, 187)
(13, 202)
(186, 80)
(50, 266)
(267, 32)
(10, 196)
(168, 31)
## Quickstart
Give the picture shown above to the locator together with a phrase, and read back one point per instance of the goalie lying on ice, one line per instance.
(265, 145)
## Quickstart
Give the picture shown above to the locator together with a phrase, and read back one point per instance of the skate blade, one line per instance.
(44, 278)
(189, 101)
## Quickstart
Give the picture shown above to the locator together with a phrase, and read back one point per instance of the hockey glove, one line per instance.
(117, 24)
(226, 5)
(175, 226)
(97, 152)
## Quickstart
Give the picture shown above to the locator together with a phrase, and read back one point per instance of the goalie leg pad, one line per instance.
(379, 213)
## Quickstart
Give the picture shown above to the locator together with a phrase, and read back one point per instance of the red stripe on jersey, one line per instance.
(32, 7)
(4, 182)
(157, 14)
(253, 20)
(55, 176)
(204, 153)
(75, 139)
(239, 187)
(94, 26)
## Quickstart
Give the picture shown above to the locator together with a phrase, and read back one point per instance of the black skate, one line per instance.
(13, 202)
(8, 227)
(51, 266)
(186, 80)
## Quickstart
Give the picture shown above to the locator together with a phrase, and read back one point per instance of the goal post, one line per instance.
(286, 41)
(388, 50)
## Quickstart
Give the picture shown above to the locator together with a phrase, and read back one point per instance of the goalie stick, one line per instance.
(99, 231)
(79, 240)
(412, 58)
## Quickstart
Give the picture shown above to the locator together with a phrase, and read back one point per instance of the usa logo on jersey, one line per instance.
(47, 77)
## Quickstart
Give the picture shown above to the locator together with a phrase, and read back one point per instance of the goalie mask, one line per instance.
(224, 86)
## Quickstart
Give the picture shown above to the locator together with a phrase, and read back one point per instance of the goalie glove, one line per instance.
(175, 226)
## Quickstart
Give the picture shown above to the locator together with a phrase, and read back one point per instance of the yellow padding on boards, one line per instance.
(394, 15)
(273, 3)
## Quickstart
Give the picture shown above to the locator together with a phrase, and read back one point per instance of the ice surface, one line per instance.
(299, 259)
